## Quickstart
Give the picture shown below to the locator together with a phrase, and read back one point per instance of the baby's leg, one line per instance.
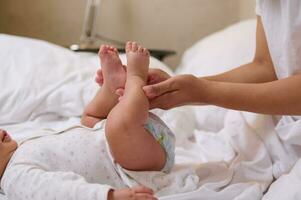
(132, 146)
(114, 76)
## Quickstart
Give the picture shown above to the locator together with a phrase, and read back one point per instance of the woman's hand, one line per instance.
(176, 91)
(134, 193)
(154, 76)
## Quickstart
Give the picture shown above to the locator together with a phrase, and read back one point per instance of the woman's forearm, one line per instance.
(254, 72)
(280, 97)
(260, 70)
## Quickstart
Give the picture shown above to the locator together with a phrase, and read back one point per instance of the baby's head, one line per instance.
(7, 148)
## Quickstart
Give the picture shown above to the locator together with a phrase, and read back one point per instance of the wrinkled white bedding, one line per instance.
(229, 155)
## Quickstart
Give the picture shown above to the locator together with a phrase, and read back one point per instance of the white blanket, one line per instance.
(241, 161)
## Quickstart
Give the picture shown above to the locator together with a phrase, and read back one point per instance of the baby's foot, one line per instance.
(137, 60)
(114, 74)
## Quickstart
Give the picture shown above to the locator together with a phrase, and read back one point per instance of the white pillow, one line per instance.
(221, 51)
(38, 78)
(218, 53)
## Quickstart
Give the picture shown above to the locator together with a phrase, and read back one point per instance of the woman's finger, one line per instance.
(164, 101)
(152, 91)
(157, 76)
(154, 79)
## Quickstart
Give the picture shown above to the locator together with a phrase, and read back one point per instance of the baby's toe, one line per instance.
(128, 46)
(102, 50)
(145, 51)
(135, 46)
(140, 49)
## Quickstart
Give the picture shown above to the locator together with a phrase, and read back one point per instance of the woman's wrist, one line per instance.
(203, 91)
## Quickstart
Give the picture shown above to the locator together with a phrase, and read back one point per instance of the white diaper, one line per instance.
(165, 137)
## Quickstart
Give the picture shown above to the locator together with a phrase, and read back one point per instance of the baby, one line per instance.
(76, 164)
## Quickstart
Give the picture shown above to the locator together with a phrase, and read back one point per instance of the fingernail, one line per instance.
(146, 90)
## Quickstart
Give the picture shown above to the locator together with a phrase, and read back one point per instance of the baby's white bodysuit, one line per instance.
(72, 165)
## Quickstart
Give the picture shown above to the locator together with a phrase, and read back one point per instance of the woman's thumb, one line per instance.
(152, 91)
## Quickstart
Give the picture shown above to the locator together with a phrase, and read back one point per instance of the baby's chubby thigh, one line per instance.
(141, 148)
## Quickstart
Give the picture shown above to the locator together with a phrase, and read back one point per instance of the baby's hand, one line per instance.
(134, 193)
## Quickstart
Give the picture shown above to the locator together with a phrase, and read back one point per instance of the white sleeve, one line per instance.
(257, 8)
(33, 183)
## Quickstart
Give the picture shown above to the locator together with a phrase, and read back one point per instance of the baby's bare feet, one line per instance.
(114, 74)
(137, 60)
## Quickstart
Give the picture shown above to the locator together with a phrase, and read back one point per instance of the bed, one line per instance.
(46, 86)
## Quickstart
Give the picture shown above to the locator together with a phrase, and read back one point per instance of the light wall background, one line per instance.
(159, 24)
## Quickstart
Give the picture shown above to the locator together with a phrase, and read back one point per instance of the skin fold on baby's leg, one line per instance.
(132, 146)
(105, 99)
